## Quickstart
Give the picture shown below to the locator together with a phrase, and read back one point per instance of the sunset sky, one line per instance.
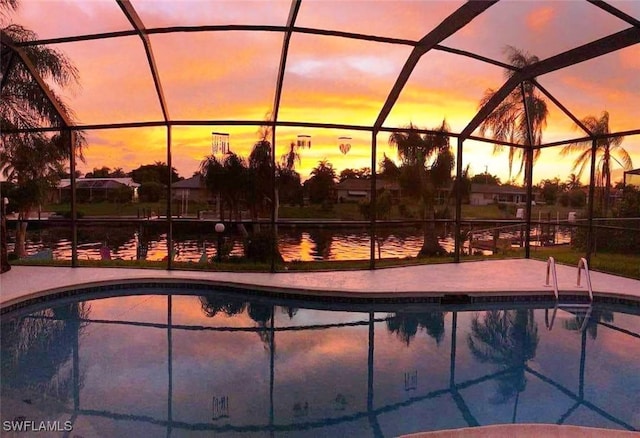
(232, 75)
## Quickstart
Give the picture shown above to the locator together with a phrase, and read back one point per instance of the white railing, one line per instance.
(585, 321)
(582, 264)
(551, 269)
(551, 273)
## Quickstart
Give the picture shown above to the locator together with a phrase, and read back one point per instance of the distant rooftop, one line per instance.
(195, 182)
(94, 183)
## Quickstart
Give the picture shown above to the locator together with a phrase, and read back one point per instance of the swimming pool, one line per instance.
(189, 363)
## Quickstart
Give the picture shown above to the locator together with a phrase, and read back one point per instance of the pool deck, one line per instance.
(494, 277)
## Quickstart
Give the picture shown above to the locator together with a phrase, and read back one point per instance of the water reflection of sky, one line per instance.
(294, 244)
(321, 382)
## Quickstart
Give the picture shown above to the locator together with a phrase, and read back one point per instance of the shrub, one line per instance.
(574, 198)
(120, 195)
(260, 246)
(327, 205)
(150, 191)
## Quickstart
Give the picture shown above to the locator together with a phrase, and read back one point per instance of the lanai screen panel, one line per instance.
(610, 82)
(127, 148)
(325, 145)
(628, 7)
(558, 125)
(543, 28)
(397, 19)
(337, 80)
(115, 82)
(218, 75)
(192, 144)
(444, 86)
(70, 18)
(163, 13)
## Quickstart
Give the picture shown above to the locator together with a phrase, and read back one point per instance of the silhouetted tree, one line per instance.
(427, 162)
(362, 173)
(37, 349)
(486, 178)
(157, 172)
(406, 325)
(321, 185)
(508, 339)
(214, 304)
(508, 121)
(388, 169)
(606, 151)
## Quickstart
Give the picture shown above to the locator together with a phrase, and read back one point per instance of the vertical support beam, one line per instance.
(71, 135)
(371, 413)
(528, 175)
(452, 366)
(274, 206)
(592, 189)
(527, 235)
(373, 203)
(583, 360)
(169, 365)
(169, 213)
(458, 227)
(272, 352)
(76, 358)
(370, 363)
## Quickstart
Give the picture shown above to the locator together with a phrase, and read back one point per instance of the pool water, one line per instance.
(231, 365)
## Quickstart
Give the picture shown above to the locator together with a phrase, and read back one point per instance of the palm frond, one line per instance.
(575, 147)
(582, 161)
(625, 158)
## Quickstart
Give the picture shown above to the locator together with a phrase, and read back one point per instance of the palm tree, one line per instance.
(211, 305)
(28, 159)
(573, 182)
(36, 352)
(429, 159)
(261, 173)
(322, 183)
(212, 172)
(508, 122)
(509, 339)
(606, 150)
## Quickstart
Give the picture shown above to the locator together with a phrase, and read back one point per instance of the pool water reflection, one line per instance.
(180, 365)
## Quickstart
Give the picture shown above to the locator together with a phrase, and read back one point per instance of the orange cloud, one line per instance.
(538, 19)
(630, 57)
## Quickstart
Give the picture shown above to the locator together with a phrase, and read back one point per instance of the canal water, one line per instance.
(301, 243)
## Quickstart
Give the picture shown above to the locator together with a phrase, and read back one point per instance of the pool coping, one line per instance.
(526, 430)
(495, 280)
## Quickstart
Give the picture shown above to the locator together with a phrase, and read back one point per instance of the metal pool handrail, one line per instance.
(582, 264)
(551, 268)
(585, 321)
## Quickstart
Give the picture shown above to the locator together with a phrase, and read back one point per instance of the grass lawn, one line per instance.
(543, 212)
(344, 211)
(114, 209)
(627, 265)
(237, 266)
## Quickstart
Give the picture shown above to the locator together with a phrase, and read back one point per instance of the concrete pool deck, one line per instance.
(494, 277)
